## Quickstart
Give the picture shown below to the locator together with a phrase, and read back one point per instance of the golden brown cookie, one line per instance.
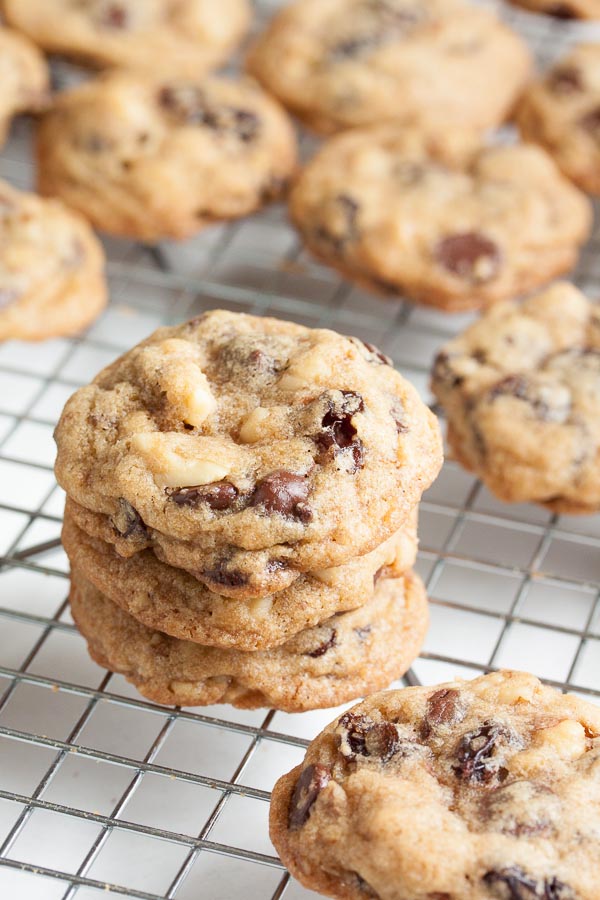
(345, 657)
(23, 76)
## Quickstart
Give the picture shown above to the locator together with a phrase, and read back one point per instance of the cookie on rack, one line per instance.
(51, 268)
(247, 450)
(436, 63)
(563, 9)
(467, 790)
(177, 37)
(561, 112)
(150, 158)
(521, 390)
(174, 602)
(343, 658)
(24, 78)
(436, 220)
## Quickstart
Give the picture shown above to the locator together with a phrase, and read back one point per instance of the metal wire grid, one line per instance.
(103, 791)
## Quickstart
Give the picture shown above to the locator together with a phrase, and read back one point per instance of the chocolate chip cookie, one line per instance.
(563, 9)
(345, 657)
(177, 37)
(51, 268)
(480, 790)
(439, 64)
(172, 601)
(247, 450)
(23, 76)
(561, 112)
(434, 220)
(151, 158)
(521, 390)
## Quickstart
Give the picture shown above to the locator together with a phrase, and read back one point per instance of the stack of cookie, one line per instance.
(241, 514)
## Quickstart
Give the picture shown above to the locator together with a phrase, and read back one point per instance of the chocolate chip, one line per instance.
(477, 759)
(341, 223)
(443, 373)
(95, 143)
(371, 353)
(591, 122)
(562, 11)
(338, 434)
(389, 22)
(128, 521)
(522, 808)
(470, 255)
(444, 707)
(355, 46)
(312, 781)
(284, 493)
(512, 883)
(225, 574)
(362, 736)
(219, 495)
(189, 105)
(251, 357)
(566, 80)
(324, 646)
(549, 403)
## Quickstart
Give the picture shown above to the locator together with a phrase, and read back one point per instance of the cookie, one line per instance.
(433, 220)
(23, 76)
(51, 268)
(148, 158)
(521, 390)
(561, 112)
(172, 601)
(480, 790)
(247, 450)
(438, 64)
(345, 657)
(563, 9)
(176, 37)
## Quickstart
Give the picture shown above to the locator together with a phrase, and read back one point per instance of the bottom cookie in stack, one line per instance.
(348, 655)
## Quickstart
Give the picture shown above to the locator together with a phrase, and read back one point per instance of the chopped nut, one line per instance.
(173, 364)
(180, 460)
(252, 427)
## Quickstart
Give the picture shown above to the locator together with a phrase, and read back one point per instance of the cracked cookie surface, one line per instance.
(247, 450)
(464, 791)
(179, 37)
(24, 78)
(437, 221)
(172, 601)
(521, 390)
(151, 158)
(434, 63)
(561, 112)
(344, 657)
(51, 268)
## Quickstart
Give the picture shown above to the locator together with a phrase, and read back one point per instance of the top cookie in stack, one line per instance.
(248, 454)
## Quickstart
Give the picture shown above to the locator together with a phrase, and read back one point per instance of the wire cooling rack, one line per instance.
(99, 789)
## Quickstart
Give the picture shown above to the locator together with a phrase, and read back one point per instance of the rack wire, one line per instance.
(101, 790)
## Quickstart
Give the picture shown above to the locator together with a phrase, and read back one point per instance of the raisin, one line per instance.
(219, 495)
(338, 433)
(470, 255)
(325, 646)
(284, 493)
(476, 755)
(312, 781)
(444, 707)
(566, 80)
(364, 737)
(513, 883)
(128, 521)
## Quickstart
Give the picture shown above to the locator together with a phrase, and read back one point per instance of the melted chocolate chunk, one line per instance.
(364, 737)
(226, 575)
(513, 883)
(284, 493)
(341, 226)
(128, 521)
(477, 758)
(219, 495)
(338, 434)
(471, 256)
(548, 404)
(325, 646)
(312, 781)
(190, 106)
(444, 707)
(566, 80)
